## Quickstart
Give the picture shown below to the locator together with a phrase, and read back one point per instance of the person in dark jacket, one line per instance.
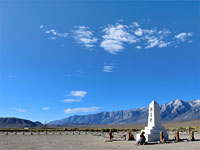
(142, 139)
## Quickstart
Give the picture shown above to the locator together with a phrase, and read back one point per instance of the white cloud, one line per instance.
(138, 47)
(71, 100)
(75, 96)
(52, 38)
(149, 32)
(47, 32)
(62, 34)
(114, 38)
(152, 42)
(163, 44)
(54, 34)
(182, 36)
(118, 32)
(164, 32)
(112, 46)
(20, 110)
(135, 24)
(139, 32)
(45, 108)
(81, 110)
(84, 36)
(78, 93)
(151, 38)
(108, 68)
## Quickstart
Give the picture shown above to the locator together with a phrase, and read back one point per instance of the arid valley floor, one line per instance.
(89, 141)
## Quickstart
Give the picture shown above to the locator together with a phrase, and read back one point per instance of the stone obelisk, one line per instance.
(152, 131)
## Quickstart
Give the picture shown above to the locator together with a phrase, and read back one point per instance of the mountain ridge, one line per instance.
(176, 110)
(12, 122)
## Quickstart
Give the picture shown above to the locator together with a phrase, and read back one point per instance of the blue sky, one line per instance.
(63, 58)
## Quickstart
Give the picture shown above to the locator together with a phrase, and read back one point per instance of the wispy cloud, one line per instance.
(112, 46)
(71, 100)
(138, 32)
(20, 110)
(138, 47)
(41, 26)
(81, 110)
(135, 24)
(183, 36)
(75, 96)
(150, 38)
(78, 93)
(52, 38)
(45, 108)
(114, 38)
(84, 36)
(117, 35)
(77, 73)
(53, 34)
(108, 68)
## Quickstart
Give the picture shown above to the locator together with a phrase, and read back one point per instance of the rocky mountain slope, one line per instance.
(18, 123)
(176, 110)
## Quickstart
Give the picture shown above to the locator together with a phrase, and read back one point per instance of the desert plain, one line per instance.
(89, 141)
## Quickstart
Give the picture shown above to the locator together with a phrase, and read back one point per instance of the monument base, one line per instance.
(153, 134)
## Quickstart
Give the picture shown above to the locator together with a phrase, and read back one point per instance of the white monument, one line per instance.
(152, 131)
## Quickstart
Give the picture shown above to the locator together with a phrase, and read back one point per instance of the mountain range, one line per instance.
(18, 123)
(176, 110)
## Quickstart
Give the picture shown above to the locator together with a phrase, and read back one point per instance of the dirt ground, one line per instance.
(89, 141)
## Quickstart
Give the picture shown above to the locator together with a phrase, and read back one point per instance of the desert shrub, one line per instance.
(105, 130)
(198, 129)
(181, 129)
(191, 129)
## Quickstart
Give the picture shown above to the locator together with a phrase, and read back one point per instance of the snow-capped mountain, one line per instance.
(176, 110)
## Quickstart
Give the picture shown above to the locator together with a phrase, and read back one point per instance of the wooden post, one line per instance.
(177, 136)
(192, 136)
(110, 135)
(46, 132)
(162, 138)
(130, 136)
